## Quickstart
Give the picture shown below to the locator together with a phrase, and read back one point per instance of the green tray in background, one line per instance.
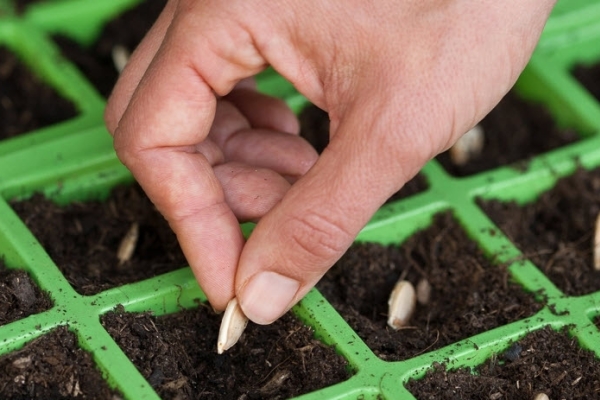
(74, 160)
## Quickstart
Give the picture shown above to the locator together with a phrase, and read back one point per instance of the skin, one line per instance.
(401, 81)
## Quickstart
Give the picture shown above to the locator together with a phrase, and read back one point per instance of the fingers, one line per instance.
(136, 68)
(318, 219)
(161, 139)
(264, 111)
(289, 155)
(250, 192)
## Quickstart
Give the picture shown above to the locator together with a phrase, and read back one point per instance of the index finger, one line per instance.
(161, 139)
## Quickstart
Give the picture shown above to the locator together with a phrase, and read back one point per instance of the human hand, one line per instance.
(401, 81)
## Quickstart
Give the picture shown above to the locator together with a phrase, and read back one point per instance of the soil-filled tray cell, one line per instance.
(556, 232)
(513, 132)
(52, 366)
(27, 103)
(469, 295)
(126, 31)
(314, 124)
(177, 354)
(589, 77)
(20, 297)
(84, 239)
(544, 361)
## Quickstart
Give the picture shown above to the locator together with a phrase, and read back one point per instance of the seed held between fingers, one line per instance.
(468, 146)
(128, 244)
(232, 326)
(541, 396)
(401, 304)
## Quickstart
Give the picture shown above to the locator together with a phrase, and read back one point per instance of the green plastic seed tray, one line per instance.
(73, 161)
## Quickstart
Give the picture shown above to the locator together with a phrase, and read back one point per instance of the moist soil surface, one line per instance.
(514, 131)
(26, 103)
(469, 295)
(556, 232)
(91, 233)
(314, 124)
(177, 355)
(52, 366)
(20, 297)
(544, 361)
(127, 30)
(589, 76)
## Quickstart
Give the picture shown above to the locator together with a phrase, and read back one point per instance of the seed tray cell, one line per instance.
(73, 162)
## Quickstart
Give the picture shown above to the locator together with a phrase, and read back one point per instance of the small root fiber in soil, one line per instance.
(314, 124)
(514, 132)
(83, 238)
(20, 297)
(177, 355)
(52, 366)
(589, 76)
(556, 232)
(27, 103)
(127, 30)
(544, 361)
(469, 295)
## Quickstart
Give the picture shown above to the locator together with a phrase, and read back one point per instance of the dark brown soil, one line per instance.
(556, 232)
(314, 124)
(52, 367)
(127, 30)
(469, 295)
(26, 103)
(19, 295)
(544, 361)
(589, 76)
(83, 238)
(514, 132)
(177, 355)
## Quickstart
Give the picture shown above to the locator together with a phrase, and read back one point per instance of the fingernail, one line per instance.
(268, 296)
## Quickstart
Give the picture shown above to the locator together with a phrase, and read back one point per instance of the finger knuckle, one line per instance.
(319, 236)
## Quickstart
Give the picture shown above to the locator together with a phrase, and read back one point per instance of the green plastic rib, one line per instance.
(75, 161)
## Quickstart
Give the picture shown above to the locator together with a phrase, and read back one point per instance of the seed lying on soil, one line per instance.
(120, 57)
(597, 244)
(128, 243)
(22, 363)
(24, 291)
(423, 292)
(401, 304)
(468, 146)
(232, 326)
(541, 396)
(275, 382)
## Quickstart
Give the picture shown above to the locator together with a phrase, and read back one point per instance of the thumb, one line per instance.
(294, 245)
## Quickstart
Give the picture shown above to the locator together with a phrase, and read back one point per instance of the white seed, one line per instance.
(22, 362)
(275, 382)
(128, 243)
(401, 304)
(232, 326)
(423, 292)
(541, 396)
(597, 244)
(120, 57)
(468, 146)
